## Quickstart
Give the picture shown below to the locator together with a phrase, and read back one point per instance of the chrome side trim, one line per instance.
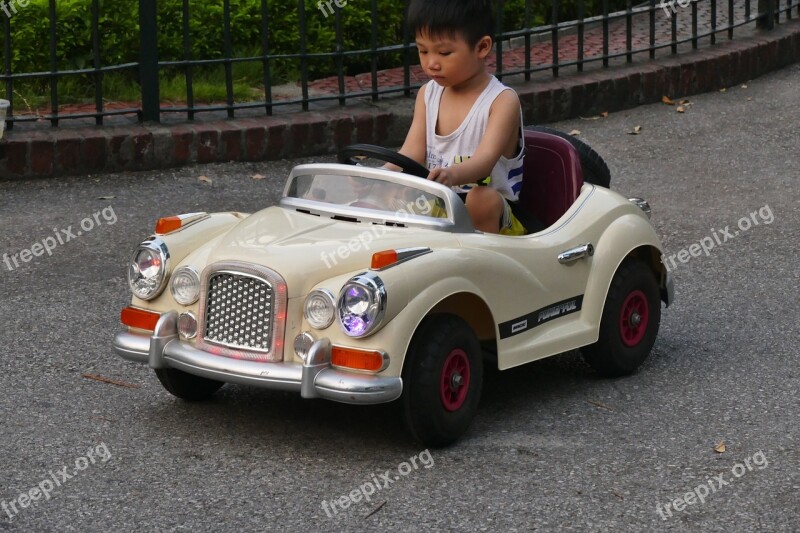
(642, 204)
(188, 219)
(406, 254)
(578, 252)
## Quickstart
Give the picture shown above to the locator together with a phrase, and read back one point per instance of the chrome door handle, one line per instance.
(573, 254)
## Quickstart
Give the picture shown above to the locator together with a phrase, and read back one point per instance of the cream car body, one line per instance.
(524, 297)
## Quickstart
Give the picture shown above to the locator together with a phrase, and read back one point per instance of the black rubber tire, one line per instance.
(595, 169)
(610, 356)
(426, 416)
(187, 386)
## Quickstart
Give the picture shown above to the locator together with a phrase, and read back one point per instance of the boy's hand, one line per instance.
(445, 176)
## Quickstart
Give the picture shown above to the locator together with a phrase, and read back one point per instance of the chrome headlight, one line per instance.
(362, 304)
(185, 285)
(320, 308)
(147, 273)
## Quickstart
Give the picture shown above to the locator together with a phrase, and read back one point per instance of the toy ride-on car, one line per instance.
(366, 285)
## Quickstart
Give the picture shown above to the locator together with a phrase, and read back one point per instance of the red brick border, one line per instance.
(61, 152)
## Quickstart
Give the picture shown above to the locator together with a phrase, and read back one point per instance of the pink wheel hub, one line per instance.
(454, 382)
(633, 318)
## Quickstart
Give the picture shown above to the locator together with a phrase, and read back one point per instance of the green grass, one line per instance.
(208, 86)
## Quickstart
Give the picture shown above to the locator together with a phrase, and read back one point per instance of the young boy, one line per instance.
(467, 126)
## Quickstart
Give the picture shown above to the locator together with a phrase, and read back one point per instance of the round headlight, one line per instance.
(319, 308)
(362, 304)
(185, 285)
(147, 273)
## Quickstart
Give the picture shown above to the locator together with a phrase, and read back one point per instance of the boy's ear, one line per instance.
(484, 46)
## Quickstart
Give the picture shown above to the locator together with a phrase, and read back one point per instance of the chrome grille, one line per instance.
(238, 311)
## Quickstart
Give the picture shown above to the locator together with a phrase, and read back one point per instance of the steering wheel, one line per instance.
(409, 166)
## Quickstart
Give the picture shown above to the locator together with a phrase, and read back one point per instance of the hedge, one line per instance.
(119, 31)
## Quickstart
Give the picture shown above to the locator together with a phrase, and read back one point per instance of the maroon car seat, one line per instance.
(552, 176)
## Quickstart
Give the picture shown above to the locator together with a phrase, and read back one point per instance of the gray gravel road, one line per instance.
(554, 448)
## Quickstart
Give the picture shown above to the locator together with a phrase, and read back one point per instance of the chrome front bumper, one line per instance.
(315, 378)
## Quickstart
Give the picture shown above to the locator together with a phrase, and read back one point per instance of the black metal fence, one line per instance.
(598, 40)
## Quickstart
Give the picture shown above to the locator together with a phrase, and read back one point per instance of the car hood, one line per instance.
(306, 249)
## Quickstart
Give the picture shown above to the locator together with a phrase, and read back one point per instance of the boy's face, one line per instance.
(450, 60)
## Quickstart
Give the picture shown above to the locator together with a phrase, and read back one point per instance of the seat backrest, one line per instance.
(552, 176)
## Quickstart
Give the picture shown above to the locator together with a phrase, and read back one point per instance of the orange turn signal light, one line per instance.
(168, 225)
(357, 359)
(139, 318)
(383, 259)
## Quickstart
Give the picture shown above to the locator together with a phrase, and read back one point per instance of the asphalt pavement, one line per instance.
(703, 438)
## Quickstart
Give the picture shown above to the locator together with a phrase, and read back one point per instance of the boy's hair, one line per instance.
(470, 19)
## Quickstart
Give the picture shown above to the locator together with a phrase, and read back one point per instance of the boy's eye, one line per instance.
(445, 53)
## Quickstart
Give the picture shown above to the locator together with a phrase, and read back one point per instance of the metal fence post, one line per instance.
(766, 9)
(148, 60)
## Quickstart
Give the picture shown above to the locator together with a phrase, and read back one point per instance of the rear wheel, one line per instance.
(595, 169)
(187, 386)
(631, 317)
(442, 380)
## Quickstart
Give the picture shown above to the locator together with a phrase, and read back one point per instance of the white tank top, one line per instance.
(447, 150)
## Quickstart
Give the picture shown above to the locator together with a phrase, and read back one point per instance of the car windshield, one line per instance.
(368, 193)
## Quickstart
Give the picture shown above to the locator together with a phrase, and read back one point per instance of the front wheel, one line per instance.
(630, 321)
(442, 378)
(187, 386)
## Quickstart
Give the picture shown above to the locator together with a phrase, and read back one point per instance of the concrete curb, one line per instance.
(92, 150)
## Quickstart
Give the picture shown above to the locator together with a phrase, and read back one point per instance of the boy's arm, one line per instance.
(501, 132)
(415, 145)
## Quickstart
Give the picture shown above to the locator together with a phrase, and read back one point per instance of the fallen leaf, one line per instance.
(596, 117)
(598, 404)
(106, 197)
(257, 177)
(604, 114)
(635, 131)
(205, 179)
(744, 86)
(749, 98)
(575, 132)
(680, 109)
(723, 90)
(685, 102)
(720, 447)
(616, 493)
(112, 381)
(667, 100)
